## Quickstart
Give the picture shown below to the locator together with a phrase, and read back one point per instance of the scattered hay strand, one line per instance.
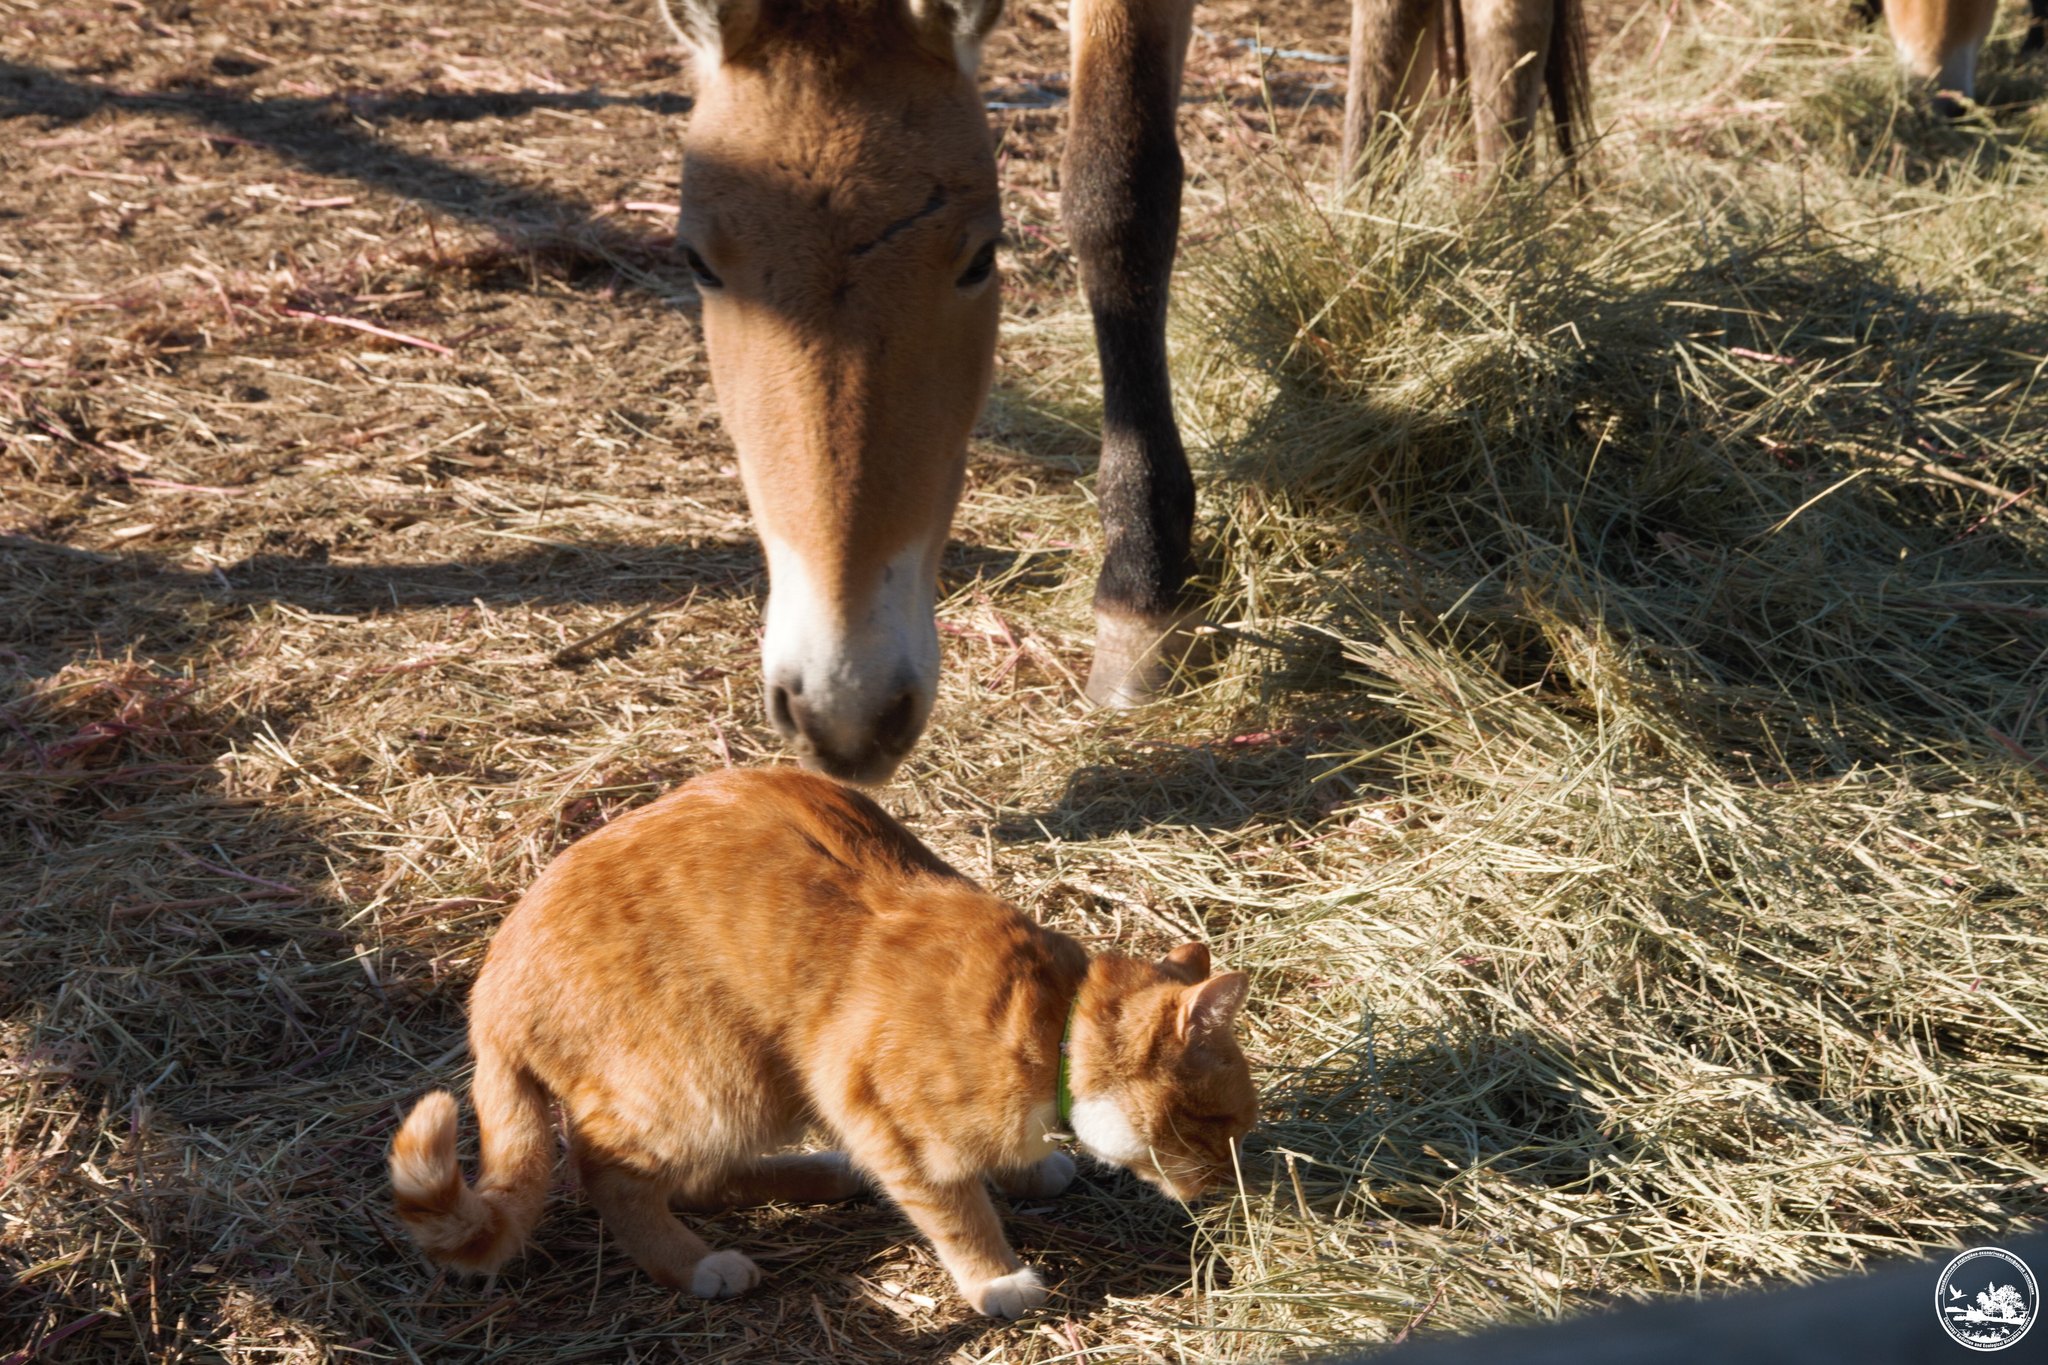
(1624, 777)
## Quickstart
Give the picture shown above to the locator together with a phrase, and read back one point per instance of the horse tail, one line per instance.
(464, 1227)
(1451, 56)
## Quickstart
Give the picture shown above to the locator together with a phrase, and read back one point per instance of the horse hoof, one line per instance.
(1137, 657)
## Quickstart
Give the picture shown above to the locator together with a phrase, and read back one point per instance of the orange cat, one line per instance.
(703, 979)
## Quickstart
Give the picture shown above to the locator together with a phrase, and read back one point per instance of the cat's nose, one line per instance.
(1187, 1189)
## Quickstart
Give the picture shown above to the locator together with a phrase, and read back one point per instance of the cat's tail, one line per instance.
(465, 1228)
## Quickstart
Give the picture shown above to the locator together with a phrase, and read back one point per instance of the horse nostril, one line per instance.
(896, 728)
(780, 713)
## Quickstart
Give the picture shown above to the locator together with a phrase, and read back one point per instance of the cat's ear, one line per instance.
(1208, 1009)
(1189, 962)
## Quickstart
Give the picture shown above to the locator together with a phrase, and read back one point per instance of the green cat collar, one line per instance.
(1063, 1094)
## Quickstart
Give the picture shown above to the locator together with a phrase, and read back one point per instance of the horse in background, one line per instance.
(1938, 42)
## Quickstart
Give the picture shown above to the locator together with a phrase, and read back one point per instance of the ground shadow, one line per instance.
(115, 604)
(858, 1267)
(1876, 1318)
(1063, 440)
(1030, 567)
(1299, 772)
(121, 602)
(175, 978)
(465, 106)
(1845, 548)
(1402, 1117)
(327, 135)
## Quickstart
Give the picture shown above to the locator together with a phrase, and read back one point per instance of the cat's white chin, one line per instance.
(1013, 1295)
(1102, 1127)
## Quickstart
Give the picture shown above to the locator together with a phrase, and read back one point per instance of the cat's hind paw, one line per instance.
(723, 1275)
(1012, 1295)
(1041, 1180)
(839, 1178)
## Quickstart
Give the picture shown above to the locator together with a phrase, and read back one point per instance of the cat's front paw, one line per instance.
(722, 1275)
(1041, 1180)
(1012, 1295)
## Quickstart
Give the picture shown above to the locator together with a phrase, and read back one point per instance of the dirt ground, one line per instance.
(244, 535)
(352, 410)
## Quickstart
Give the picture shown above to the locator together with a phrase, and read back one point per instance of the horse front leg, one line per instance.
(1120, 201)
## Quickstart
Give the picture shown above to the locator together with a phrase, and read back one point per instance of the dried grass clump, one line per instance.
(1624, 776)
(1671, 560)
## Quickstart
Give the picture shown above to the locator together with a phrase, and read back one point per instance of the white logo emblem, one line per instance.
(1987, 1299)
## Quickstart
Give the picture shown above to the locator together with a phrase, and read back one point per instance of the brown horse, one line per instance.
(840, 213)
(1938, 41)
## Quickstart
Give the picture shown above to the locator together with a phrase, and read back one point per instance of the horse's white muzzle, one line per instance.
(851, 683)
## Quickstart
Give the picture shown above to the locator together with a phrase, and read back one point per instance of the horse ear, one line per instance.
(956, 28)
(710, 28)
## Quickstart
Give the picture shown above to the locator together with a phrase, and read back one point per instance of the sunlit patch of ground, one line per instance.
(1624, 776)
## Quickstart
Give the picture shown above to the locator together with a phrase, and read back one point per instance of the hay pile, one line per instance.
(1625, 777)
(1666, 572)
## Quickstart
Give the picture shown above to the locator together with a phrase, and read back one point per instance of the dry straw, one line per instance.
(1623, 774)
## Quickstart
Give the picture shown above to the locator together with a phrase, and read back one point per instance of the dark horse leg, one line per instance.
(1120, 199)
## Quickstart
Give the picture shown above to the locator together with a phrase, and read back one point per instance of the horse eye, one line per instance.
(980, 268)
(706, 279)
